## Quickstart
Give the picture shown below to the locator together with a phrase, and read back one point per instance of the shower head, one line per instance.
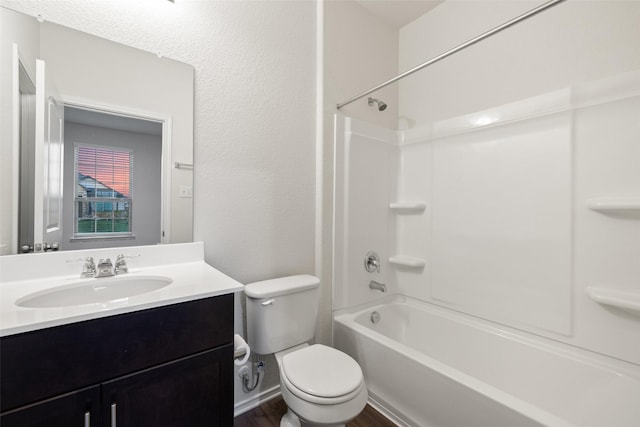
(381, 105)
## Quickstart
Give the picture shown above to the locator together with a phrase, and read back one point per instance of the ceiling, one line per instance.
(398, 13)
(111, 121)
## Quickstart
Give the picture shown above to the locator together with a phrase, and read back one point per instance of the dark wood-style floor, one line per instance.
(269, 414)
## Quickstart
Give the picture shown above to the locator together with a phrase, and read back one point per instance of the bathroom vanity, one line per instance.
(152, 360)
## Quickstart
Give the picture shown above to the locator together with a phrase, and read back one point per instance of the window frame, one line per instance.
(101, 199)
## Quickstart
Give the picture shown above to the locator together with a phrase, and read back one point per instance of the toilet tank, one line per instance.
(281, 313)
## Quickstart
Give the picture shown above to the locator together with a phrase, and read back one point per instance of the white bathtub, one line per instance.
(429, 366)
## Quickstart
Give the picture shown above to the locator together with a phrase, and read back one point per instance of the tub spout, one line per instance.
(378, 286)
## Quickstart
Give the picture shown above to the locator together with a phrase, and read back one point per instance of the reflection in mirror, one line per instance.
(27, 117)
(71, 95)
(112, 170)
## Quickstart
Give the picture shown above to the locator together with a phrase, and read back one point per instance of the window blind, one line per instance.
(103, 190)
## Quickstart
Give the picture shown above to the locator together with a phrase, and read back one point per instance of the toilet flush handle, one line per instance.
(267, 302)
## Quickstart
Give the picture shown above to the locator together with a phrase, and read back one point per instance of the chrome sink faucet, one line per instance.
(378, 286)
(105, 268)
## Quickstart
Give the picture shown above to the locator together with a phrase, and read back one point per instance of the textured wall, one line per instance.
(254, 147)
(254, 121)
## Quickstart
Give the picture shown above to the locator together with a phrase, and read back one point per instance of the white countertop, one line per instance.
(192, 279)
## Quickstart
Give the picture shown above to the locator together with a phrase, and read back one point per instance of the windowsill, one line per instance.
(102, 237)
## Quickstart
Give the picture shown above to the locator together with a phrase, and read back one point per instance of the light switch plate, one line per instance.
(186, 191)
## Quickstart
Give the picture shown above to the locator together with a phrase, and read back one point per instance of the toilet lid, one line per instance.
(322, 371)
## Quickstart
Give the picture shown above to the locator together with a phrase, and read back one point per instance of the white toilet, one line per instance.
(320, 385)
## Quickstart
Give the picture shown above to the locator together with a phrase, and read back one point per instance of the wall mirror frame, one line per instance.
(69, 68)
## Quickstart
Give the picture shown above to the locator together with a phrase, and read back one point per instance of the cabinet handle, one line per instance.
(87, 419)
(113, 415)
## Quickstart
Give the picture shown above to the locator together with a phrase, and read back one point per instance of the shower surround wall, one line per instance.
(507, 226)
(522, 188)
(508, 235)
(365, 181)
(506, 144)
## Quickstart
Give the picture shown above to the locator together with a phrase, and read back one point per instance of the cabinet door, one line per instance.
(76, 409)
(192, 391)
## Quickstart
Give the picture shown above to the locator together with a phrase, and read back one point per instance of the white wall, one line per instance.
(359, 51)
(254, 136)
(254, 120)
(572, 42)
(147, 157)
(14, 28)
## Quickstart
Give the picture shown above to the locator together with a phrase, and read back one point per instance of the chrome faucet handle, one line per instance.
(121, 266)
(372, 262)
(123, 256)
(89, 267)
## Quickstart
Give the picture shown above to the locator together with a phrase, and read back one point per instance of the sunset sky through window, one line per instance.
(109, 166)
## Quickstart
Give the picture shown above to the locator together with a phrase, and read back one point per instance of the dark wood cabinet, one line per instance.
(181, 393)
(77, 409)
(166, 366)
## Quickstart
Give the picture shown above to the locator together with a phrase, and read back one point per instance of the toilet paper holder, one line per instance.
(241, 350)
(239, 353)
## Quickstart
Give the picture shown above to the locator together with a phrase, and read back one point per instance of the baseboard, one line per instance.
(387, 413)
(257, 400)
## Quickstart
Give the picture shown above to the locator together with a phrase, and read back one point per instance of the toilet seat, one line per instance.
(321, 374)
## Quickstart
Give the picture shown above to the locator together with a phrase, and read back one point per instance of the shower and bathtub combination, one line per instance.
(505, 220)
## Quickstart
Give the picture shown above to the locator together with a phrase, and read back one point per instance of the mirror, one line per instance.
(61, 89)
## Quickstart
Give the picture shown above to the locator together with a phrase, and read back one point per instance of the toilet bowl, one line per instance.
(321, 385)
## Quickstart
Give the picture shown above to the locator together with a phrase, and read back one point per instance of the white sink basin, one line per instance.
(93, 291)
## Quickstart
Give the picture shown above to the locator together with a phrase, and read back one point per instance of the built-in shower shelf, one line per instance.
(614, 204)
(407, 206)
(615, 298)
(407, 261)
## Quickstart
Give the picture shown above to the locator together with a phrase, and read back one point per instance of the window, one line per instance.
(102, 191)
